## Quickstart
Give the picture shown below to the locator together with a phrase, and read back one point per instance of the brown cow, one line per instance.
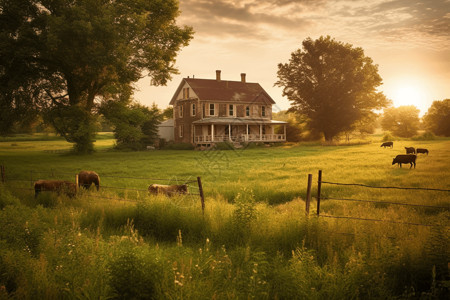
(59, 186)
(87, 178)
(168, 190)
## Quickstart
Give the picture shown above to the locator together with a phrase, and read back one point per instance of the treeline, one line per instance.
(403, 122)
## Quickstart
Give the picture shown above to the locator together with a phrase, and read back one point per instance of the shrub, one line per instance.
(178, 146)
(6, 198)
(387, 137)
(426, 136)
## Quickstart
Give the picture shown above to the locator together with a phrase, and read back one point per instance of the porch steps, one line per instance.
(237, 145)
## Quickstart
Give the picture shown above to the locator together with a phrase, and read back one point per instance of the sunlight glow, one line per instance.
(409, 95)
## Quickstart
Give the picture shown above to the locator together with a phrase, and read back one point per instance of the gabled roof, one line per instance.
(223, 90)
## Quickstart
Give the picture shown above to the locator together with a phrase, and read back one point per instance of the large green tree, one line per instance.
(333, 84)
(437, 118)
(62, 56)
(403, 121)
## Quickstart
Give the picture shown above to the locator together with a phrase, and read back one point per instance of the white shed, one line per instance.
(165, 130)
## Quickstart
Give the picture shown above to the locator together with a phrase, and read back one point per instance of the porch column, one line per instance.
(284, 131)
(246, 134)
(212, 132)
(193, 133)
(260, 132)
(229, 132)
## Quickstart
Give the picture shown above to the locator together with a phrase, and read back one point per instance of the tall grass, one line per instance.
(253, 239)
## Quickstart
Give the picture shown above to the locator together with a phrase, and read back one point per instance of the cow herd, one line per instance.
(409, 157)
(88, 178)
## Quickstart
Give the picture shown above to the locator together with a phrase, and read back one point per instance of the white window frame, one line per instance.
(232, 106)
(263, 111)
(180, 110)
(186, 93)
(193, 109)
(214, 109)
(181, 130)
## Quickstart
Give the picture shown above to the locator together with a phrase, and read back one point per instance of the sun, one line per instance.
(408, 95)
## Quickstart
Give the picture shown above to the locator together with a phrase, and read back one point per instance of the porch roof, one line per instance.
(238, 121)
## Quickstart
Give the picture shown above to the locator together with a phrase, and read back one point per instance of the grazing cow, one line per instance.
(168, 190)
(387, 144)
(405, 159)
(410, 150)
(59, 186)
(422, 150)
(87, 178)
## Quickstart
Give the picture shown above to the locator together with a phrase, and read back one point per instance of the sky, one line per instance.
(409, 40)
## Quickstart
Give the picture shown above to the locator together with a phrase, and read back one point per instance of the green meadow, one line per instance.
(253, 241)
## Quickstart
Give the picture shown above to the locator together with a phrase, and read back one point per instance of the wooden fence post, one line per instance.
(319, 187)
(308, 194)
(202, 197)
(76, 184)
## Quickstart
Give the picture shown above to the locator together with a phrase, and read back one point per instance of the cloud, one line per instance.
(419, 22)
(247, 19)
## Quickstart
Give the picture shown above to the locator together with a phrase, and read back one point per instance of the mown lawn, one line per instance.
(275, 174)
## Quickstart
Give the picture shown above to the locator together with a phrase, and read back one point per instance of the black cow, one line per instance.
(410, 150)
(387, 144)
(405, 159)
(422, 150)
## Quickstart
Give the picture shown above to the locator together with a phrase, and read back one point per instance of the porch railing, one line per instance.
(241, 138)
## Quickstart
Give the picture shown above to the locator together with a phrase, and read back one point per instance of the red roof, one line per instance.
(223, 90)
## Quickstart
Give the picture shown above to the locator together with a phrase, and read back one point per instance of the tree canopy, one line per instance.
(402, 121)
(59, 57)
(437, 118)
(333, 84)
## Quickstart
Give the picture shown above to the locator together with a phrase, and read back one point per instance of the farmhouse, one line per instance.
(207, 111)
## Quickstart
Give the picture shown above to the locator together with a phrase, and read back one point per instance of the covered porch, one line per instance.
(241, 130)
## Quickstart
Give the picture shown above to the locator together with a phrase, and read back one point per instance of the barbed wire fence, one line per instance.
(320, 197)
(195, 188)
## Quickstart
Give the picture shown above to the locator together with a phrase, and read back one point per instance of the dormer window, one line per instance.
(231, 110)
(186, 93)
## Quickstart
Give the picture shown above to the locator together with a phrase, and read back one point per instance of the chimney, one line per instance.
(218, 75)
(243, 77)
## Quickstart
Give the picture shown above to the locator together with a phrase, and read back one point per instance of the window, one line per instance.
(180, 110)
(263, 111)
(247, 111)
(181, 130)
(186, 93)
(231, 110)
(193, 109)
(212, 109)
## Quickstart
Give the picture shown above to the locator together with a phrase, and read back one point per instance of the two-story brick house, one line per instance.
(207, 111)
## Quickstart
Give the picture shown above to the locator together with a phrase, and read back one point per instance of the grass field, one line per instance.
(254, 240)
